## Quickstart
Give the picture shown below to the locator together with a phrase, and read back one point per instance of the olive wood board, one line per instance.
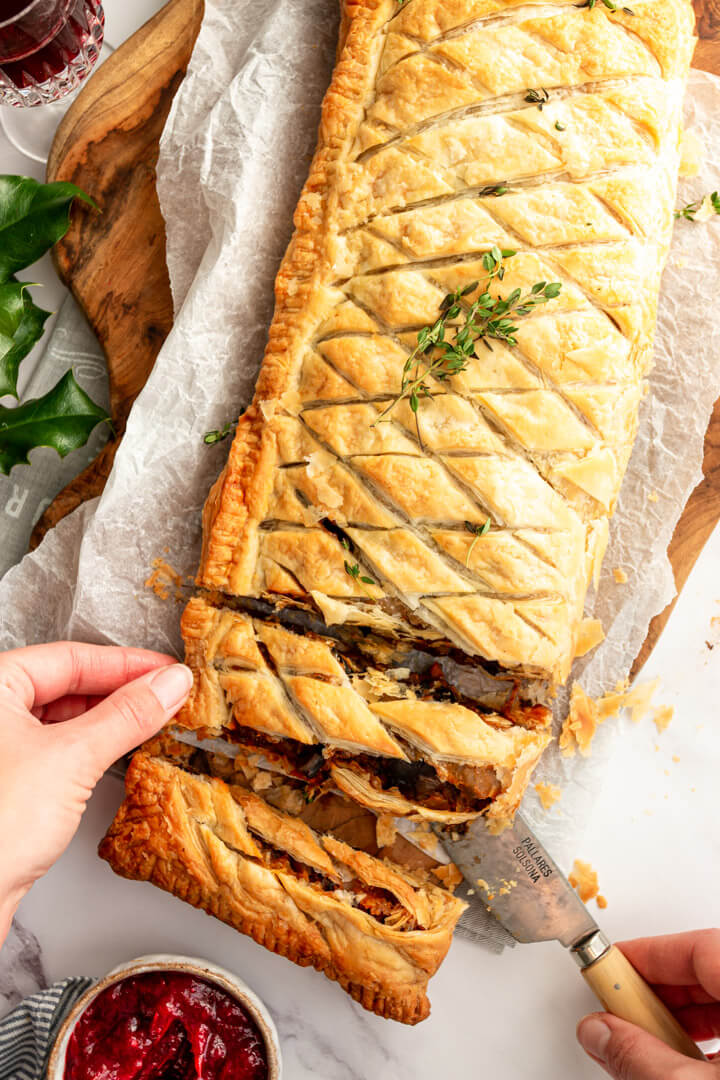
(114, 262)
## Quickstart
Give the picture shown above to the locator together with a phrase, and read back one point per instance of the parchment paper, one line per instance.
(233, 157)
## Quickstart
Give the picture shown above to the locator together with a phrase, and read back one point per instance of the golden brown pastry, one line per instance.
(448, 128)
(377, 929)
(459, 139)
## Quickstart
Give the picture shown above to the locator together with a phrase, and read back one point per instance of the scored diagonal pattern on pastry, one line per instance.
(353, 526)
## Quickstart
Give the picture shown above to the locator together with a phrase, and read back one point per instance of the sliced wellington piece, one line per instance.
(548, 130)
(399, 745)
(374, 927)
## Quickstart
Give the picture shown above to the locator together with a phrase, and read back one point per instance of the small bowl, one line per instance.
(203, 969)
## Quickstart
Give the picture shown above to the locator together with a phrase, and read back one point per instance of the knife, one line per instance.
(527, 893)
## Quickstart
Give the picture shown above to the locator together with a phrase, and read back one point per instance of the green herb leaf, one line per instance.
(21, 325)
(477, 531)
(690, 209)
(216, 436)
(540, 96)
(493, 189)
(559, 126)
(63, 419)
(33, 216)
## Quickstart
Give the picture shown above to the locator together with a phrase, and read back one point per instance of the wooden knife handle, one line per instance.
(624, 993)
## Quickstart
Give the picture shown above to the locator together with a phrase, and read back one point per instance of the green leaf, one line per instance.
(21, 325)
(11, 306)
(63, 419)
(33, 216)
(218, 434)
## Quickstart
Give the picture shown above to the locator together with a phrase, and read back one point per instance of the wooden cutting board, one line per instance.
(115, 263)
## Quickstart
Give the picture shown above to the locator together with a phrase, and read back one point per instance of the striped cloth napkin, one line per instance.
(28, 1032)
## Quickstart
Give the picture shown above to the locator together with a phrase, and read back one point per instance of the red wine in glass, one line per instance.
(47, 47)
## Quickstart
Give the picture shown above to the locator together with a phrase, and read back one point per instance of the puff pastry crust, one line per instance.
(427, 110)
(449, 126)
(377, 929)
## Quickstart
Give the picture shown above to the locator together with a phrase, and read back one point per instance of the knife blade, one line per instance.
(520, 883)
(530, 896)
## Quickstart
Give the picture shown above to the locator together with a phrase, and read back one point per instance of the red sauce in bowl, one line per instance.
(165, 1025)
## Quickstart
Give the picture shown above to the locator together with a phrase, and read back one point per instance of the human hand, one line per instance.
(684, 971)
(58, 733)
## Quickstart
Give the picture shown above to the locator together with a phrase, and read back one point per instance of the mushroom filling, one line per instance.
(379, 903)
(444, 786)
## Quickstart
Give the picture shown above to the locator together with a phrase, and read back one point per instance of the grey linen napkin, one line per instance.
(31, 488)
(29, 1031)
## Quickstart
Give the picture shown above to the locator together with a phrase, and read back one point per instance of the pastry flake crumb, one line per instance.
(675, 758)
(653, 496)
(423, 838)
(662, 716)
(601, 901)
(637, 699)
(580, 724)
(448, 875)
(590, 635)
(620, 575)
(385, 830)
(584, 879)
(163, 578)
(548, 794)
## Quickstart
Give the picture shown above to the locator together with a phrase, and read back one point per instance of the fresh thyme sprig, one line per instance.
(487, 318)
(353, 571)
(690, 210)
(476, 531)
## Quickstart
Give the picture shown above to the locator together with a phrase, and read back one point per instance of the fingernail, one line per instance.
(171, 685)
(594, 1035)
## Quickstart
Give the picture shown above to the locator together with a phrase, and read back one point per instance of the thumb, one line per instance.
(129, 715)
(629, 1053)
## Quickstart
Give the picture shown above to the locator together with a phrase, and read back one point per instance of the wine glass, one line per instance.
(47, 48)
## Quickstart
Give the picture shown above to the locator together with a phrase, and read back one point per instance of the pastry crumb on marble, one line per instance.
(584, 879)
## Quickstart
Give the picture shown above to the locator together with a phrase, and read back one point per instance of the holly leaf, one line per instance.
(33, 216)
(21, 325)
(63, 419)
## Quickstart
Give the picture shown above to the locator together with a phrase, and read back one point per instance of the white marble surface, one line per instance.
(654, 838)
